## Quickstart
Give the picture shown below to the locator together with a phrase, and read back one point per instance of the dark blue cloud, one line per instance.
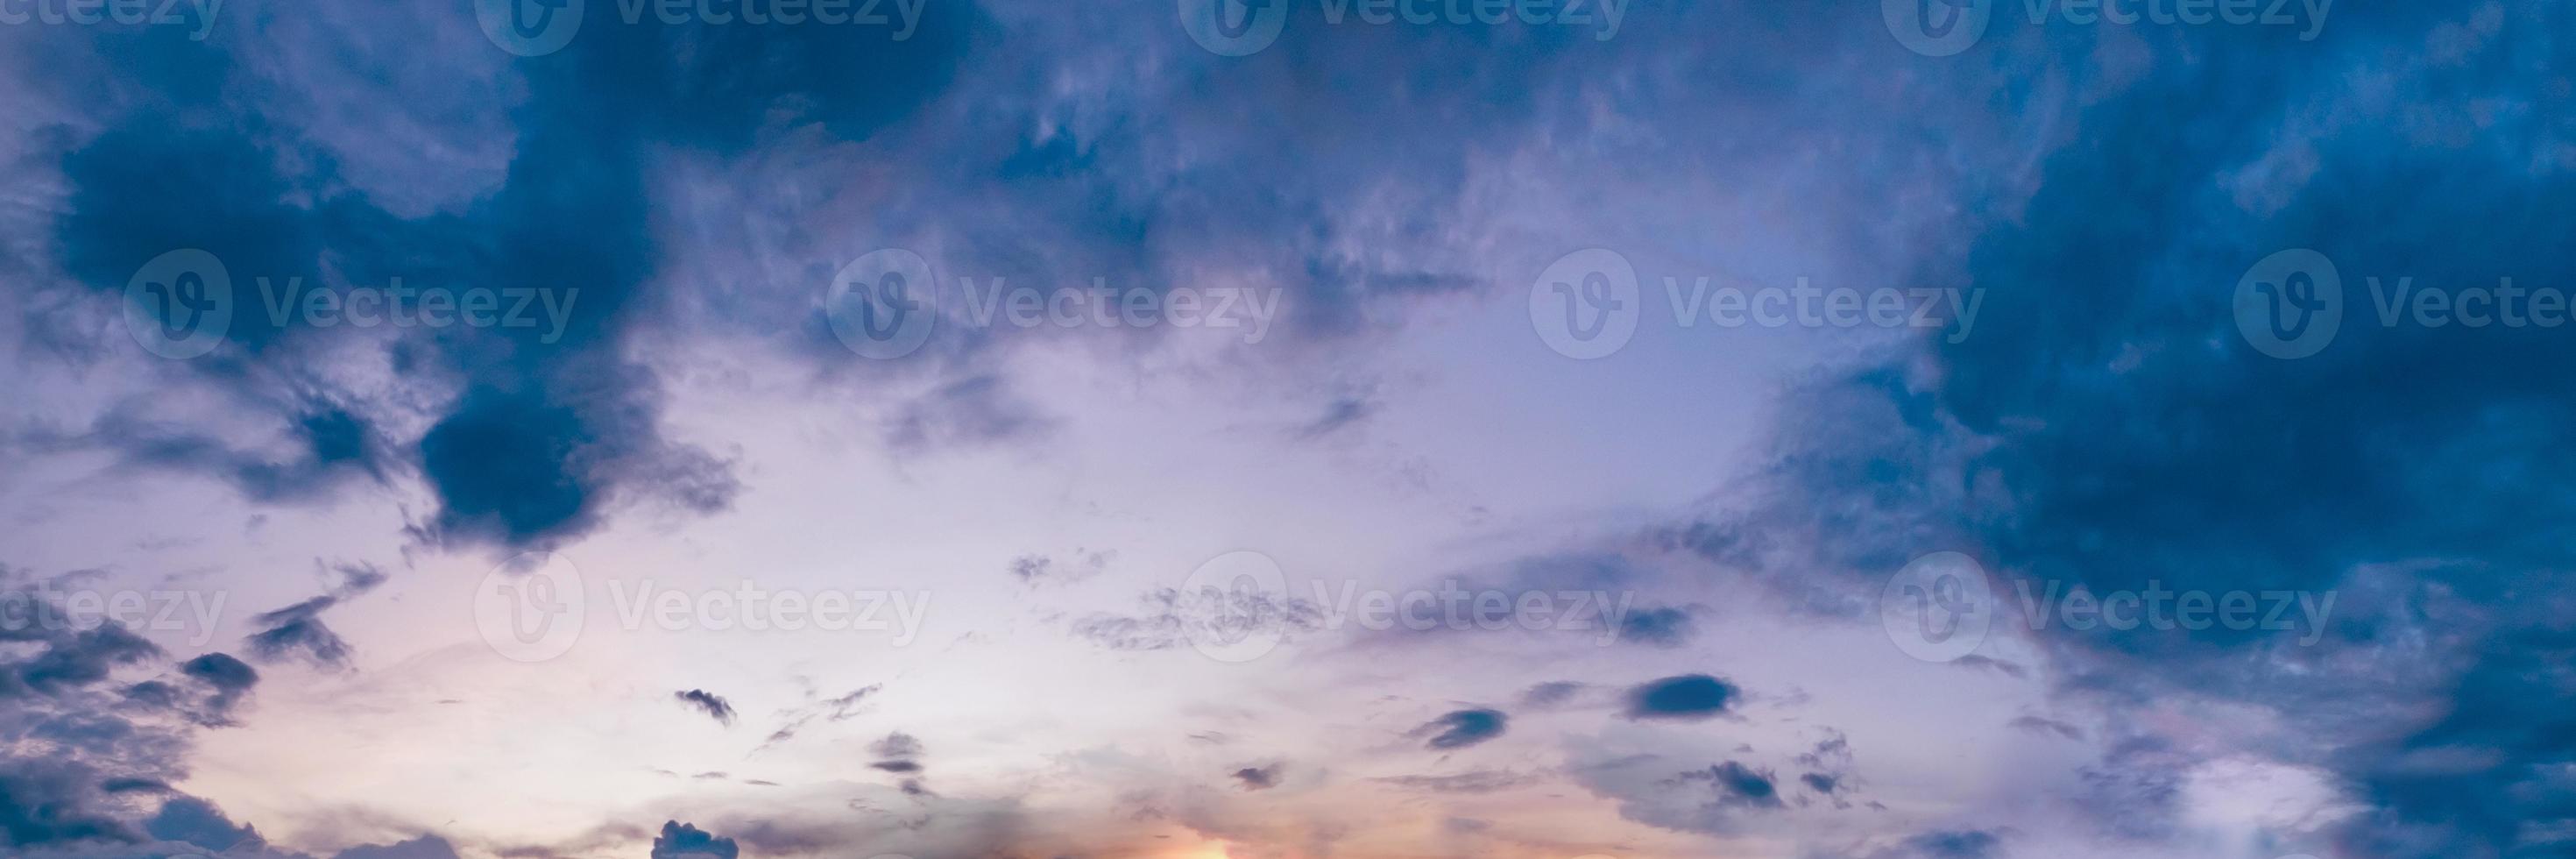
(1665, 627)
(1739, 786)
(1948, 844)
(298, 631)
(2108, 425)
(45, 808)
(190, 820)
(715, 706)
(423, 847)
(1259, 778)
(1689, 696)
(1462, 728)
(550, 427)
(683, 841)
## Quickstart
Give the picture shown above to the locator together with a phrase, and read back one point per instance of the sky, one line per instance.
(1286, 429)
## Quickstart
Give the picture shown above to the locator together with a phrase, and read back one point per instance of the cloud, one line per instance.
(195, 821)
(1551, 693)
(1471, 782)
(326, 448)
(92, 756)
(423, 847)
(1258, 778)
(900, 753)
(1658, 627)
(1688, 696)
(297, 631)
(1175, 617)
(1739, 786)
(1462, 728)
(683, 841)
(2044, 726)
(897, 745)
(1948, 844)
(540, 431)
(1039, 569)
(1342, 414)
(230, 678)
(831, 710)
(715, 706)
(2109, 425)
